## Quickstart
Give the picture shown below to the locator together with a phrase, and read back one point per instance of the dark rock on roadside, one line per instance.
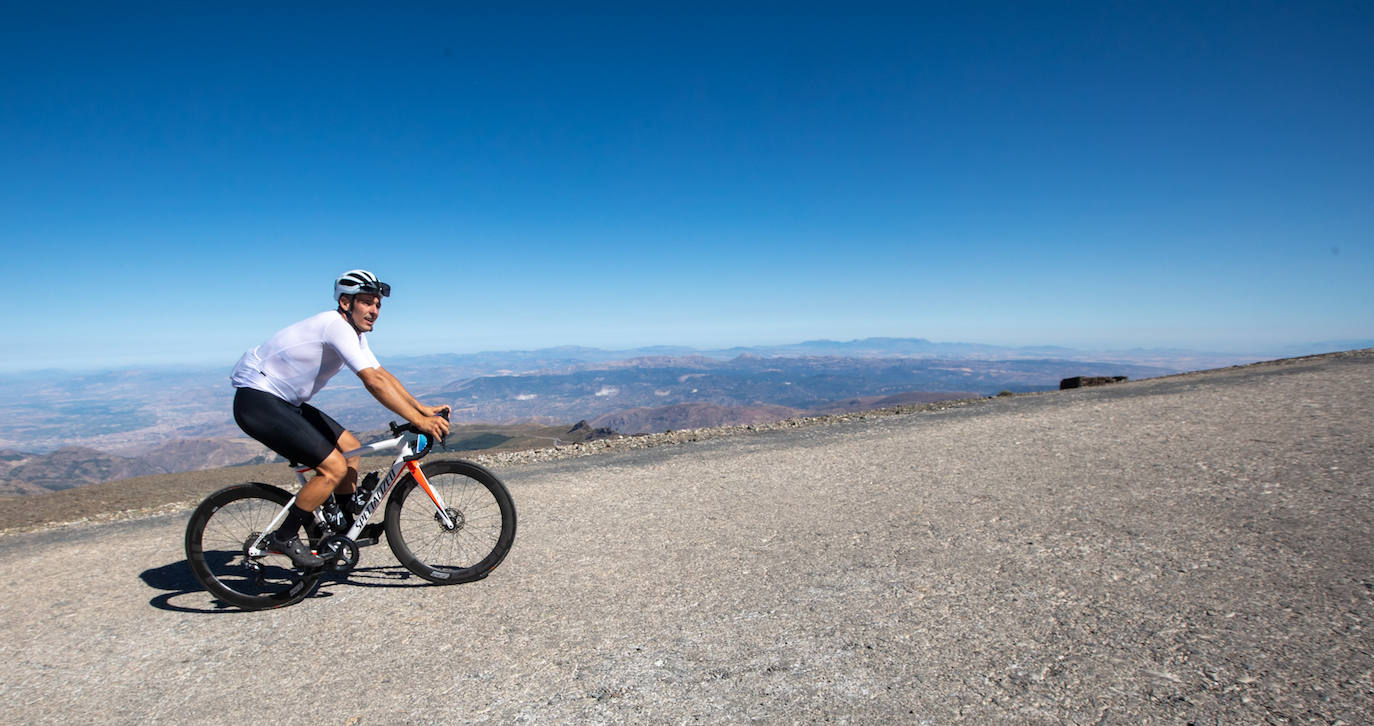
(1085, 381)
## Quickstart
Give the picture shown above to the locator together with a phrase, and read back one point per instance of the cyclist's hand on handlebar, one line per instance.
(434, 427)
(441, 411)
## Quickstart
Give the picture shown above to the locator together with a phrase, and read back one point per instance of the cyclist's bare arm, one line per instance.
(390, 393)
(422, 408)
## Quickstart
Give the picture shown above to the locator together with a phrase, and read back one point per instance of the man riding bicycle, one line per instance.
(275, 380)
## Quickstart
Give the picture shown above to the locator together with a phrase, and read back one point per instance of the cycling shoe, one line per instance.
(295, 549)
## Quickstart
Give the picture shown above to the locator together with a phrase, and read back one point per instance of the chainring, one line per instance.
(340, 553)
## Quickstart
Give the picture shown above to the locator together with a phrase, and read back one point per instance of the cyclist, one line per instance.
(275, 380)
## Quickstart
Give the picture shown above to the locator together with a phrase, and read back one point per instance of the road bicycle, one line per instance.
(449, 522)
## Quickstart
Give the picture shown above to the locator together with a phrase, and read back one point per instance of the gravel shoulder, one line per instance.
(1197, 548)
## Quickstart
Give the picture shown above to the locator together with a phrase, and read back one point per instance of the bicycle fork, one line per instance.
(440, 508)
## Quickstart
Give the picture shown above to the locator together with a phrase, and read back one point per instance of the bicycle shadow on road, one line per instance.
(177, 583)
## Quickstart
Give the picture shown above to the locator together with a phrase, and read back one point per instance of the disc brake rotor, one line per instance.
(454, 516)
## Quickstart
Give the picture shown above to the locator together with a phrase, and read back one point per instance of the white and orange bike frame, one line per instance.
(410, 447)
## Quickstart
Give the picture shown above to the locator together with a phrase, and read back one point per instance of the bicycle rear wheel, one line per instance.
(217, 540)
(476, 502)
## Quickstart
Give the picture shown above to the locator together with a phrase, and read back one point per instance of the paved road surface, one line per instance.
(1198, 548)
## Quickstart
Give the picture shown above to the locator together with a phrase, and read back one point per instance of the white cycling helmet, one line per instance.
(356, 281)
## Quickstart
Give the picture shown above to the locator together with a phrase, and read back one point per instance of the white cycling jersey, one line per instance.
(294, 364)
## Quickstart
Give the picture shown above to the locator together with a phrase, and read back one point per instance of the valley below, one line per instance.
(60, 430)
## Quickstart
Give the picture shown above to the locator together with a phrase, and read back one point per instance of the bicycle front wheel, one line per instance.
(217, 540)
(482, 517)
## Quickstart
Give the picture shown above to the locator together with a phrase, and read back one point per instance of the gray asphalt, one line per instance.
(1193, 549)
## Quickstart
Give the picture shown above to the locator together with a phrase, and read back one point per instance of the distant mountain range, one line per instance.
(800, 384)
(60, 428)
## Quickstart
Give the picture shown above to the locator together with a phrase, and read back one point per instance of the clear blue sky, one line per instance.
(179, 182)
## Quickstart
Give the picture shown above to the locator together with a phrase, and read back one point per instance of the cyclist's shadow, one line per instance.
(177, 582)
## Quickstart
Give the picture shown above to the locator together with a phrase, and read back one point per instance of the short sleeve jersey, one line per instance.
(294, 364)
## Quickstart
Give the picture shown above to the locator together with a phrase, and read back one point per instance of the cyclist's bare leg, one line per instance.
(331, 472)
(286, 538)
(334, 474)
(348, 442)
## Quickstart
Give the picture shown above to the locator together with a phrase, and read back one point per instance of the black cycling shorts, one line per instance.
(303, 434)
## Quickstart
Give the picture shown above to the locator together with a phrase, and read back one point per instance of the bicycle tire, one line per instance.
(216, 541)
(476, 499)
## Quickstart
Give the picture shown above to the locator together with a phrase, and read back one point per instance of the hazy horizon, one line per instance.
(1279, 350)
